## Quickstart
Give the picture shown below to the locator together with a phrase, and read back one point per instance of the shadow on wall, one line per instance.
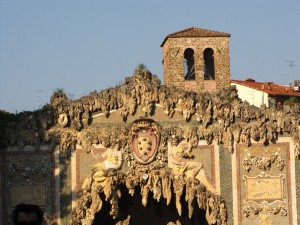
(158, 213)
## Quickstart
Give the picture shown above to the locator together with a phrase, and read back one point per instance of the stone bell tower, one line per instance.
(196, 59)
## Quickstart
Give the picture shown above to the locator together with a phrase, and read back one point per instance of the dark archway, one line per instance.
(158, 213)
(189, 64)
(209, 64)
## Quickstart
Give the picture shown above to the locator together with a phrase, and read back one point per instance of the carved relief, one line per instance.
(143, 90)
(145, 139)
(263, 162)
(265, 219)
(113, 161)
(89, 122)
(264, 187)
(180, 161)
(27, 177)
(263, 208)
(21, 168)
(265, 193)
(154, 177)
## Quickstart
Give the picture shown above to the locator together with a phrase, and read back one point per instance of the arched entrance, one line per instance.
(158, 183)
(158, 213)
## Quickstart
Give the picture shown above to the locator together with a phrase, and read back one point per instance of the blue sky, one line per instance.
(82, 46)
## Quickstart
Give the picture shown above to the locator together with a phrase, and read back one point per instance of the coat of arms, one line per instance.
(144, 140)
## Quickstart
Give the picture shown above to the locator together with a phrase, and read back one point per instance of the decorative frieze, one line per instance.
(263, 162)
(21, 167)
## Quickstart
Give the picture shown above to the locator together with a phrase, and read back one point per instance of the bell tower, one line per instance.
(196, 59)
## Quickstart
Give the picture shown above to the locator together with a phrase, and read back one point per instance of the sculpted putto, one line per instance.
(180, 160)
(113, 161)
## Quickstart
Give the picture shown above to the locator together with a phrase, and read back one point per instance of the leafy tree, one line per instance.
(141, 68)
(291, 100)
(5, 118)
(59, 91)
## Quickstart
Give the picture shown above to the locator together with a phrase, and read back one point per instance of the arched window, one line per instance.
(209, 64)
(189, 64)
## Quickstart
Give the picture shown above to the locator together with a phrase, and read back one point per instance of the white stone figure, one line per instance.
(113, 161)
(180, 160)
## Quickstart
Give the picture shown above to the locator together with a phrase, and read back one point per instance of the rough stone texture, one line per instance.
(110, 115)
(226, 182)
(173, 61)
(65, 191)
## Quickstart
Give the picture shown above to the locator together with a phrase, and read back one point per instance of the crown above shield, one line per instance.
(145, 139)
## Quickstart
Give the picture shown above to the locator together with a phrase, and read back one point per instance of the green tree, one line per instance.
(141, 68)
(291, 100)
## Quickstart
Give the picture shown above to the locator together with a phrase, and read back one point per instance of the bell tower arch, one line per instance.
(196, 59)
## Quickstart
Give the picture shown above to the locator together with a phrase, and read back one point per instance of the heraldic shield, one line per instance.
(144, 140)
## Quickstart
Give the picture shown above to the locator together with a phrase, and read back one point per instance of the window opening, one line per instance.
(209, 64)
(189, 64)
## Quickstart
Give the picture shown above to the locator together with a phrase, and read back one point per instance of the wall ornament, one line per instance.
(263, 162)
(264, 194)
(40, 167)
(145, 138)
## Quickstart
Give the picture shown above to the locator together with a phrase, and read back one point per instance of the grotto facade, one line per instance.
(147, 153)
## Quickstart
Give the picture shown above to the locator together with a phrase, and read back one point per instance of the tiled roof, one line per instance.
(195, 32)
(268, 87)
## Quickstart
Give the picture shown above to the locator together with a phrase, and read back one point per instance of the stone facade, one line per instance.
(95, 154)
(173, 49)
(145, 150)
(29, 177)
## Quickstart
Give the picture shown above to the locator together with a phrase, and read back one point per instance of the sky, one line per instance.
(87, 45)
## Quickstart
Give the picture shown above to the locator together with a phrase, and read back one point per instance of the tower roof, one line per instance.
(195, 32)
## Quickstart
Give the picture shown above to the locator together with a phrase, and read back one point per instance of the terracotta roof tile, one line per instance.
(268, 87)
(195, 32)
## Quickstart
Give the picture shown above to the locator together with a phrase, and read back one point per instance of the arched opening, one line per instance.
(158, 213)
(209, 64)
(189, 64)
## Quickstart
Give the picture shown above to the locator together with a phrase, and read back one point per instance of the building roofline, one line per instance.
(268, 87)
(195, 32)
